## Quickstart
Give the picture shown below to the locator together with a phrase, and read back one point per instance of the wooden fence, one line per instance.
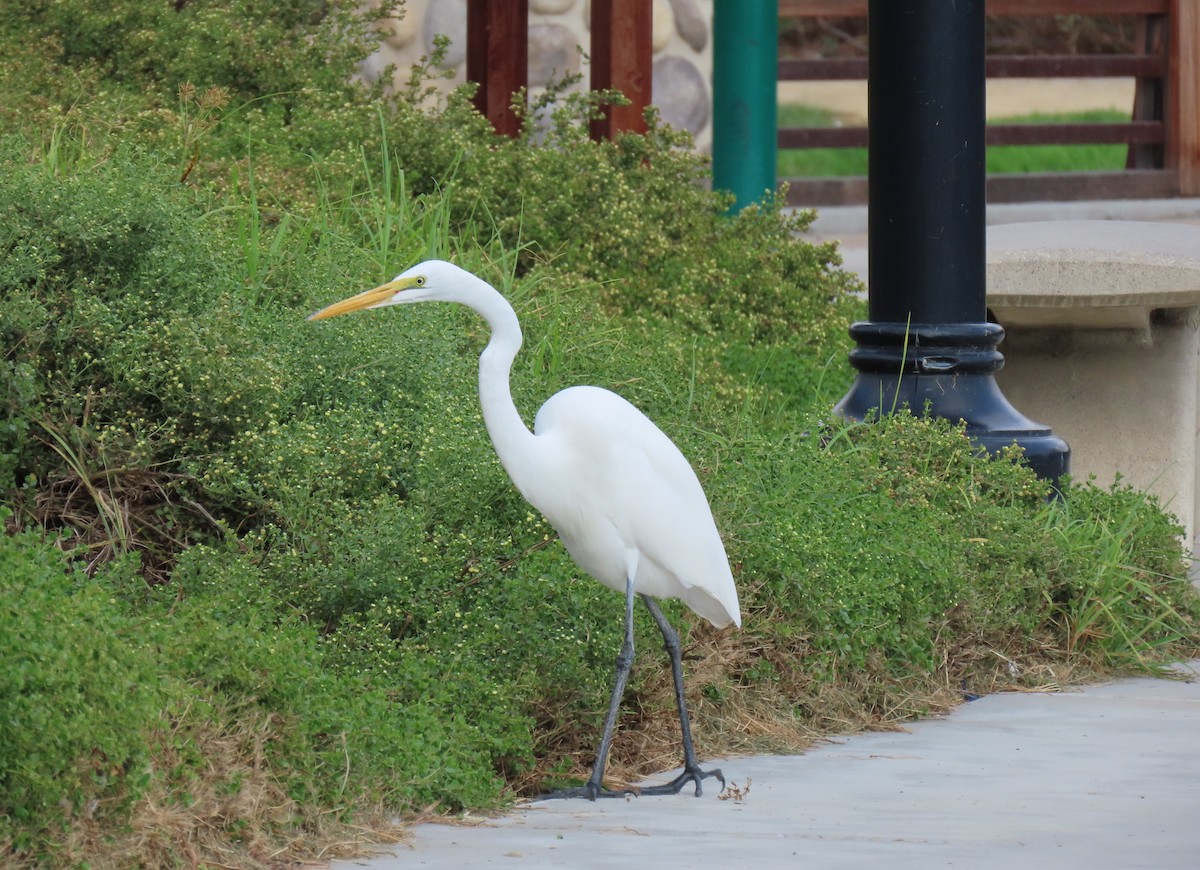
(1163, 133)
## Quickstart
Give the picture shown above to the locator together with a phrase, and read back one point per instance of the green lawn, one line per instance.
(793, 163)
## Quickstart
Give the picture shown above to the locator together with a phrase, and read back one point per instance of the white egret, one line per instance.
(625, 502)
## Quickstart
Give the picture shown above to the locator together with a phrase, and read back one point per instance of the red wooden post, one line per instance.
(621, 52)
(1183, 95)
(498, 58)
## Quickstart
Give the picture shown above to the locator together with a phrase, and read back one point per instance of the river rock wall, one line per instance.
(681, 39)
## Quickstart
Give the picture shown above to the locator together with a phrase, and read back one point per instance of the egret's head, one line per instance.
(433, 279)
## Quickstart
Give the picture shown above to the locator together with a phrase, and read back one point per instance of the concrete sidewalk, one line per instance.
(847, 224)
(1102, 777)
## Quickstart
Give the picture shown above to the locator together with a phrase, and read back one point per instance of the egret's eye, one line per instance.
(420, 280)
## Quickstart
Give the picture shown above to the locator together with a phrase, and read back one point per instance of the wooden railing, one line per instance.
(1163, 133)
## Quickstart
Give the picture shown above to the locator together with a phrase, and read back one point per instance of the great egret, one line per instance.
(625, 502)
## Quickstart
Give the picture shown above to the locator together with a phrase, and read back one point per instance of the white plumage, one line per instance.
(622, 497)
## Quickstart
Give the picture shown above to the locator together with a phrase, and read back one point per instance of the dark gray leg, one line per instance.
(691, 767)
(594, 787)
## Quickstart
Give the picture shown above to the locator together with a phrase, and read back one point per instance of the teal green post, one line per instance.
(745, 70)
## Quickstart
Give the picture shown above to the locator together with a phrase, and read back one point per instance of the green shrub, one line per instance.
(405, 732)
(895, 549)
(120, 357)
(241, 46)
(634, 214)
(77, 695)
(851, 554)
(112, 690)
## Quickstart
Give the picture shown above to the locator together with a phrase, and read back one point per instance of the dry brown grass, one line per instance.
(236, 814)
(105, 507)
(788, 714)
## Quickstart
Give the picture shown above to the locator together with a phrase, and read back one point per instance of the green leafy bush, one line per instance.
(119, 361)
(76, 694)
(634, 214)
(242, 46)
(407, 737)
(112, 691)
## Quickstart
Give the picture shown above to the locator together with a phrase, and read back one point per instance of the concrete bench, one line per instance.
(1102, 322)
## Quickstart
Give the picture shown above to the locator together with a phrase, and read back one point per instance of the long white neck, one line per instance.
(510, 436)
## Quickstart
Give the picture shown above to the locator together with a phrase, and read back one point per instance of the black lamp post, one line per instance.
(928, 344)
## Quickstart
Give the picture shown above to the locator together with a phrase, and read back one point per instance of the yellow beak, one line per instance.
(364, 300)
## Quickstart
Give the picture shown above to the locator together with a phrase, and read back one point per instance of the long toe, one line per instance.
(589, 791)
(690, 774)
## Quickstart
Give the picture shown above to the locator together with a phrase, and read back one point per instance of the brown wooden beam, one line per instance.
(831, 69)
(998, 67)
(1076, 66)
(811, 192)
(821, 137)
(1076, 7)
(621, 60)
(1037, 187)
(1183, 95)
(1068, 186)
(498, 58)
(858, 8)
(1137, 132)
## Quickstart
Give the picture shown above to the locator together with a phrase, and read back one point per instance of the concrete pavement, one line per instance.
(1102, 777)
(847, 224)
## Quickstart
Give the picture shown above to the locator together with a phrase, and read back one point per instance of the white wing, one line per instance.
(610, 481)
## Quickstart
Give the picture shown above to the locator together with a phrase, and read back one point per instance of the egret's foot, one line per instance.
(690, 774)
(590, 790)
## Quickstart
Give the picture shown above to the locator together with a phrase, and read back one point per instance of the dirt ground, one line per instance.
(1005, 97)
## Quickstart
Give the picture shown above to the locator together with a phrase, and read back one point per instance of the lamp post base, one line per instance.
(947, 370)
